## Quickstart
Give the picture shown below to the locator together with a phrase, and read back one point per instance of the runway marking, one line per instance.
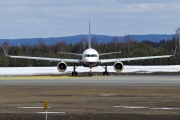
(107, 95)
(165, 108)
(32, 107)
(51, 112)
(143, 107)
(132, 107)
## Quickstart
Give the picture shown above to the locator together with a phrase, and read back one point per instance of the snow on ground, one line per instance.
(10, 71)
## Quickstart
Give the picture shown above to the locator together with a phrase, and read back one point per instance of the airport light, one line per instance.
(45, 107)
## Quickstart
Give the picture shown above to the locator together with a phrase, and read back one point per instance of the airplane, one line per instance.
(89, 58)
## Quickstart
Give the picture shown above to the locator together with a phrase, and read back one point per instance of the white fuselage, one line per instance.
(90, 58)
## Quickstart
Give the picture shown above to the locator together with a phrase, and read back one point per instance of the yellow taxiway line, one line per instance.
(32, 77)
(41, 77)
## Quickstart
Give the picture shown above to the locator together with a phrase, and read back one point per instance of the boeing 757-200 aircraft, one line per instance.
(90, 58)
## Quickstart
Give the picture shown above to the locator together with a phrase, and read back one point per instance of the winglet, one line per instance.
(4, 51)
(175, 51)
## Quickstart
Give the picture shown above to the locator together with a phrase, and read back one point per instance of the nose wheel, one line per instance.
(90, 72)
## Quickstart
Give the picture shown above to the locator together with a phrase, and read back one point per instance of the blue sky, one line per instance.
(57, 18)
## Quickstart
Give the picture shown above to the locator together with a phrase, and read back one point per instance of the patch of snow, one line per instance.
(53, 70)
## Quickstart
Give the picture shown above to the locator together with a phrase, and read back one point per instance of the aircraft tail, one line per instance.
(89, 44)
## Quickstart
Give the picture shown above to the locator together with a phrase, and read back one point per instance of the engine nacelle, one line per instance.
(118, 66)
(61, 66)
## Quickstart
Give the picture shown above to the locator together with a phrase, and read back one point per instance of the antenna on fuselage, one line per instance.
(89, 35)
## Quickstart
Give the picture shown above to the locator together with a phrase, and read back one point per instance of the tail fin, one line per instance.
(89, 35)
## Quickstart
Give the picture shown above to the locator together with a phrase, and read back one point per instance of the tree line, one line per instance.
(128, 48)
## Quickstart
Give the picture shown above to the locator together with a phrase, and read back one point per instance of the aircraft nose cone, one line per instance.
(91, 59)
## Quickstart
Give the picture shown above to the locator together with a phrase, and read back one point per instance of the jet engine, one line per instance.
(61, 66)
(118, 66)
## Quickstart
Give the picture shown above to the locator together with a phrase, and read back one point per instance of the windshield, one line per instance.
(90, 55)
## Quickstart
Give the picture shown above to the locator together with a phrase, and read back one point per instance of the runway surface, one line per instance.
(141, 97)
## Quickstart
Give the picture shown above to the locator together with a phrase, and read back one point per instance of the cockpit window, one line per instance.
(92, 55)
(87, 55)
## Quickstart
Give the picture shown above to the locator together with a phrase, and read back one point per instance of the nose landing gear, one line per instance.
(90, 72)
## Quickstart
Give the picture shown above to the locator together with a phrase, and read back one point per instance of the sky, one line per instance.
(58, 18)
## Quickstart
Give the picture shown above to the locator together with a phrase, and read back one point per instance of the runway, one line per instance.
(98, 97)
(128, 79)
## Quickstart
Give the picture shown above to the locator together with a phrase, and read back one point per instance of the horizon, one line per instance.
(83, 35)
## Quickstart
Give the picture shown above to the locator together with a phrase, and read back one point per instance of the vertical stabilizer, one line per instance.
(89, 44)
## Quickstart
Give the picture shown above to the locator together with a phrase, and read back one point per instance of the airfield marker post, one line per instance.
(45, 107)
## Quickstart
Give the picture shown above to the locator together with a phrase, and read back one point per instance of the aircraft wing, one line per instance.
(44, 58)
(133, 58)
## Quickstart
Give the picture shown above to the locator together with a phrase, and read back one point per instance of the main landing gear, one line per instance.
(74, 73)
(105, 72)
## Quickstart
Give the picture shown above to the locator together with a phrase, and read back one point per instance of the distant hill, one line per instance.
(78, 38)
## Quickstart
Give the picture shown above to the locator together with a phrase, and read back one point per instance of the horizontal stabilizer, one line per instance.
(109, 53)
(71, 53)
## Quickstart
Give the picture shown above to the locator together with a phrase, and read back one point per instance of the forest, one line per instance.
(128, 48)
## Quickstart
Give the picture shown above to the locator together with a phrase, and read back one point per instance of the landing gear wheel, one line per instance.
(74, 73)
(105, 73)
(90, 74)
